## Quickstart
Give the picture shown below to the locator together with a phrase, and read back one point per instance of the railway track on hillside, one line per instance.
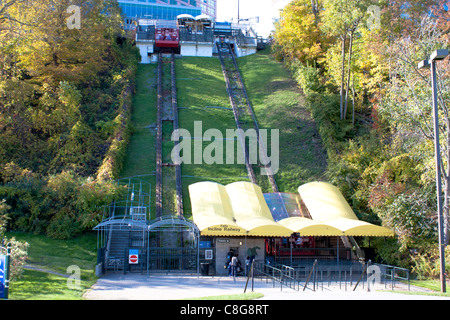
(168, 173)
(243, 114)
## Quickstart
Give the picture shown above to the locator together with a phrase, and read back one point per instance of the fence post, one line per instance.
(361, 277)
(248, 277)
(310, 273)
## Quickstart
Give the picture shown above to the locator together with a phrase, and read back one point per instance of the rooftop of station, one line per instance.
(241, 208)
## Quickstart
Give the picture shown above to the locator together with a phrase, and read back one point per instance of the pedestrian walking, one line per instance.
(234, 265)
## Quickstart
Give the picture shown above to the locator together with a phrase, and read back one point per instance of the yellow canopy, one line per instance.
(326, 204)
(356, 228)
(308, 227)
(234, 210)
(240, 209)
(211, 210)
(251, 211)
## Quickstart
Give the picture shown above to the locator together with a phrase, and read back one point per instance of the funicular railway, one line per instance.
(243, 111)
(281, 250)
(169, 243)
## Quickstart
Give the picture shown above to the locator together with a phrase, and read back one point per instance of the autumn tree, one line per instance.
(342, 19)
(407, 102)
(58, 83)
(298, 36)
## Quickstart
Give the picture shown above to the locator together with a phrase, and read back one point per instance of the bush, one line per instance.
(60, 206)
(308, 78)
(426, 264)
(19, 250)
(334, 132)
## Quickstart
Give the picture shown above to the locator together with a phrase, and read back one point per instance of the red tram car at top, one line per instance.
(167, 37)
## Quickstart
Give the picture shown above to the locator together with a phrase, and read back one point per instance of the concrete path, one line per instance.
(116, 286)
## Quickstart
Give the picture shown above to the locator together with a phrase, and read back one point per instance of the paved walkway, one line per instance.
(116, 286)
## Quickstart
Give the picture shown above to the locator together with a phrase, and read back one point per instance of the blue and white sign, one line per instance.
(2, 276)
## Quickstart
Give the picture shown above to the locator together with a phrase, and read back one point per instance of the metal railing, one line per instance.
(206, 36)
(145, 36)
(392, 274)
(317, 274)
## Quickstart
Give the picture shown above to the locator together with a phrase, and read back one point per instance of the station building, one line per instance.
(160, 10)
(281, 228)
(189, 28)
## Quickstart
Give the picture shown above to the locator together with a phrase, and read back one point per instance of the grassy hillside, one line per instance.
(279, 104)
(141, 158)
(202, 97)
(200, 86)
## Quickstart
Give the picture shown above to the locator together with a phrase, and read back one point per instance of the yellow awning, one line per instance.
(240, 209)
(326, 204)
(251, 211)
(235, 210)
(211, 210)
(357, 228)
(308, 227)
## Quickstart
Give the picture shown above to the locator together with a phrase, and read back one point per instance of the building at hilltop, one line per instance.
(186, 27)
(168, 10)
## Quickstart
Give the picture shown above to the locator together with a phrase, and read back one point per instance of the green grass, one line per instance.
(200, 84)
(431, 284)
(57, 256)
(278, 104)
(141, 158)
(36, 285)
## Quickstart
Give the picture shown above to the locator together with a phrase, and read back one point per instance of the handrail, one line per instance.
(310, 273)
(272, 273)
(393, 274)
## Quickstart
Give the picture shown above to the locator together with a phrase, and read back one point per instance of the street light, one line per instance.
(436, 56)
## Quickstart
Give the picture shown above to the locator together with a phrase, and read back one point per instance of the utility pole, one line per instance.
(436, 56)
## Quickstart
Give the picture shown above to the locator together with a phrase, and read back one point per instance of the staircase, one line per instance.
(120, 241)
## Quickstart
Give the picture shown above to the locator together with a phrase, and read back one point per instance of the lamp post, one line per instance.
(436, 56)
(239, 8)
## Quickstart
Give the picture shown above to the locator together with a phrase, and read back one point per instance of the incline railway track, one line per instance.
(166, 123)
(168, 172)
(243, 112)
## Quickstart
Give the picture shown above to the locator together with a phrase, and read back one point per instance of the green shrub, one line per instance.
(324, 108)
(426, 263)
(308, 78)
(61, 206)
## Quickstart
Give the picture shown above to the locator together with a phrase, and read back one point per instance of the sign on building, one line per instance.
(133, 256)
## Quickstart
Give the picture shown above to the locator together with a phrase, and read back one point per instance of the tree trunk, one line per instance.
(350, 46)
(344, 38)
(315, 9)
(353, 100)
(350, 49)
